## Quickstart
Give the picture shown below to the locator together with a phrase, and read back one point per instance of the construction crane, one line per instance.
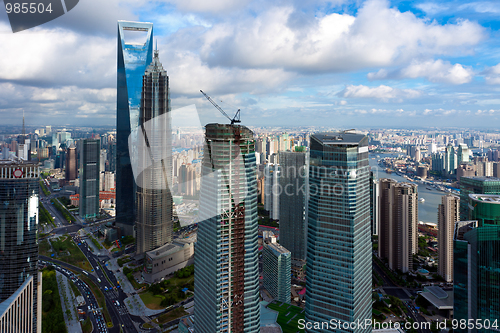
(235, 119)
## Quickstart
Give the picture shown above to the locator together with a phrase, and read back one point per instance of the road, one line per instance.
(91, 307)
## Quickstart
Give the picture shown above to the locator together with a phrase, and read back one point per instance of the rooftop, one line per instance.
(339, 138)
(278, 249)
(170, 248)
(490, 198)
(442, 300)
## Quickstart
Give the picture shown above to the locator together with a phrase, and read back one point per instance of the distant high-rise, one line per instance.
(71, 171)
(448, 214)
(449, 160)
(154, 224)
(271, 190)
(374, 202)
(339, 248)
(292, 203)
(226, 275)
(134, 55)
(277, 265)
(463, 154)
(89, 178)
(20, 283)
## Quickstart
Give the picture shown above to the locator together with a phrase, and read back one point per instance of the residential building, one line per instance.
(398, 235)
(339, 248)
(133, 58)
(89, 178)
(20, 283)
(292, 203)
(276, 270)
(448, 214)
(154, 219)
(226, 275)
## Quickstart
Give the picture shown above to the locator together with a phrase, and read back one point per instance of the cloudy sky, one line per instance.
(339, 63)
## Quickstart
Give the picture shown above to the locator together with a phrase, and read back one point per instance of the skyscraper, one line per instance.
(292, 203)
(448, 214)
(476, 264)
(134, 56)
(339, 264)
(154, 224)
(226, 279)
(475, 185)
(374, 202)
(19, 276)
(277, 265)
(71, 171)
(89, 178)
(271, 190)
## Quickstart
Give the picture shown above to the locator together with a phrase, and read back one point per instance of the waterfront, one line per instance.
(427, 211)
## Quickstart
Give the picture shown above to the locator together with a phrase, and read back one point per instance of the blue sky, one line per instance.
(340, 63)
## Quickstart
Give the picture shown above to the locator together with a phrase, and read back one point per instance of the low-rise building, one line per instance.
(168, 258)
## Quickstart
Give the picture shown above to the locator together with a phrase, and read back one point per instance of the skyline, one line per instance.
(336, 64)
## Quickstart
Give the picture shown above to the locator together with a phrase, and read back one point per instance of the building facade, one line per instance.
(226, 279)
(448, 214)
(277, 267)
(133, 58)
(19, 242)
(272, 190)
(339, 248)
(292, 203)
(89, 178)
(154, 218)
(475, 185)
(71, 171)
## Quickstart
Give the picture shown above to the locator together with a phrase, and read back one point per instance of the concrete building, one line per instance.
(465, 170)
(448, 214)
(339, 247)
(277, 266)
(398, 234)
(165, 260)
(20, 283)
(154, 219)
(292, 203)
(226, 275)
(374, 203)
(89, 179)
(463, 154)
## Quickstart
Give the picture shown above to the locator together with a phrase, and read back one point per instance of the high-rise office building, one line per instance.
(154, 224)
(339, 264)
(476, 268)
(475, 185)
(292, 203)
(135, 53)
(71, 171)
(398, 234)
(463, 154)
(20, 283)
(448, 214)
(449, 160)
(276, 268)
(226, 275)
(89, 178)
(272, 190)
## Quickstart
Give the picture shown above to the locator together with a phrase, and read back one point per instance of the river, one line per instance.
(427, 211)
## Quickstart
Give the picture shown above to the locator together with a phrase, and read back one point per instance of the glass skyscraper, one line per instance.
(154, 226)
(135, 53)
(339, 259)
(19, 233)
(292, 203)
(226, 275)
(89, 178)
(475, 185)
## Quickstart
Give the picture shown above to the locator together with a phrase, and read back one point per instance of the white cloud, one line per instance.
(489, 7)
(377, 36)
(492, 75)
(382, 92)
(438, 71)
(214, 6)
(431, 8)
